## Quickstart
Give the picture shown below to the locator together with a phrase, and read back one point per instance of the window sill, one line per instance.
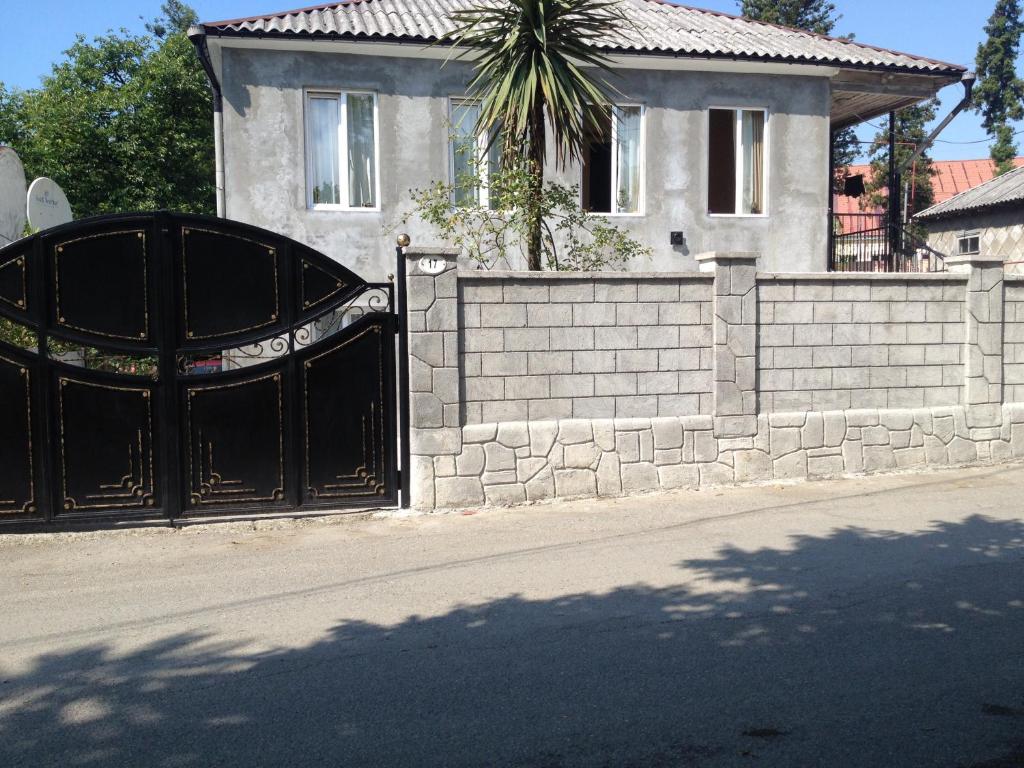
(638, 215)
(341, 209)
(738, 216)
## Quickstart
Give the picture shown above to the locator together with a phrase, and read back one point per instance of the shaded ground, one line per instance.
(873, 622)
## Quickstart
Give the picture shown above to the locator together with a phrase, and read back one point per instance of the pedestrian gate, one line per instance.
(165, 365)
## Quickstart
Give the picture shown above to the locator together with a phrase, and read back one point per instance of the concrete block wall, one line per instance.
(558, 346)
(860, 341)
(1013, 340)
(950, 322)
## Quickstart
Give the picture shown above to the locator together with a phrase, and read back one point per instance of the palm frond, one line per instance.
(533, 57)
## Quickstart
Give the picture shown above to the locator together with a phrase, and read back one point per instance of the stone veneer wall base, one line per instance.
(518, 462)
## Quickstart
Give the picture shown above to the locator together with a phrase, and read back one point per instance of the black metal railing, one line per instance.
(868, 243)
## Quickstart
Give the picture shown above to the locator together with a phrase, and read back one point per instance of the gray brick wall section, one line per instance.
(611, 346)
(735, 341)
(877, 341)
(1013, 340)
(854, 374)
(983, 348)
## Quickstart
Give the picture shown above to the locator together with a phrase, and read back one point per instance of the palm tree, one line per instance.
(535, 59)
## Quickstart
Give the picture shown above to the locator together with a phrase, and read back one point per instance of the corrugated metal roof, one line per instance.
(951, 177)
(658, 28)
(1002, 190)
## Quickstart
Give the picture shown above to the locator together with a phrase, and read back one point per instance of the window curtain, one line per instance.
(324, 161)
(464, 151)
(361, 160)
(627, 196)
(753, 150)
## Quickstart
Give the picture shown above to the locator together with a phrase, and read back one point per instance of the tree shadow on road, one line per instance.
(752, 665)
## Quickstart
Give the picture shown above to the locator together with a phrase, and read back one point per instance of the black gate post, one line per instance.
(405, 455)
(171, 473)
(47, 496)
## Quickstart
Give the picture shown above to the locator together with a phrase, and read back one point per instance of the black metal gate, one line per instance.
(165, 365)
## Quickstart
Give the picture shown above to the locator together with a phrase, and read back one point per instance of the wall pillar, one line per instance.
(433, 322)
(983, 341)
(735, 341)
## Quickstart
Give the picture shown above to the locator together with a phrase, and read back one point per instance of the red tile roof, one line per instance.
(951, 178)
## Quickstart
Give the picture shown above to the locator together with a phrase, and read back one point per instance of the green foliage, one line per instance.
(572, 239)
(122, 123)
(910, 133)
(537, 58)
(17, 335)
(818, 16)
(999, 92)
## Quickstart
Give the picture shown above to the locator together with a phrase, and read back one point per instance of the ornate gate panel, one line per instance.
(172, 365)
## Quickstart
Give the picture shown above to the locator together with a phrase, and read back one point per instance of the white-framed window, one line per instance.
(471, 155)
(613, 162)
(969, 243)
(737, 161)
(342, 158)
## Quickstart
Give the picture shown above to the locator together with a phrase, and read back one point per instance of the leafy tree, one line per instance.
(530, 62)
(910, 133)
(122, 123)
(999, 93)
(819, 17)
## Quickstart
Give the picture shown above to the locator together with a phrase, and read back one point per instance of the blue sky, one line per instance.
(940, 29)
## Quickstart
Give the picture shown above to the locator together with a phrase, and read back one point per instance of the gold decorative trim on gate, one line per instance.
(141, 497)
(209, 484)
(375, 482)
(29, 507)
(22, 303)
(274, 317)
(59, 249)
(339, 285)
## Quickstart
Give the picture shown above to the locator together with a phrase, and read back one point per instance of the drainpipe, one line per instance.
(968, 83)
(197, 35)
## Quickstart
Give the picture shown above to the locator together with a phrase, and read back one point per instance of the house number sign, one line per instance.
(431, 265)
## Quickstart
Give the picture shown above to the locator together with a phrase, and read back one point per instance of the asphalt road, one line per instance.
(875, 622)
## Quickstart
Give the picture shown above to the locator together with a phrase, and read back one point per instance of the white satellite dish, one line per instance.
(48, 206)
(12, 196)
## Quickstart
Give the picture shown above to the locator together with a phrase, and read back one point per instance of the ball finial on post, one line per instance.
(404, 240)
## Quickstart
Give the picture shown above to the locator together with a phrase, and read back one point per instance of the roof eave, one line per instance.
(939, 71)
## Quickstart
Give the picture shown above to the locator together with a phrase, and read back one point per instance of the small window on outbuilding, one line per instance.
(969, 243)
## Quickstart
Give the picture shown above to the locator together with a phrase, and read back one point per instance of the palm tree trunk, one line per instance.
(536, 160)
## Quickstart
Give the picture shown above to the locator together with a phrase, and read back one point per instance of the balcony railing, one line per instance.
(865, 242)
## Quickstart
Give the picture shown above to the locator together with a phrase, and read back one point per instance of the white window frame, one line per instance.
(968, 235)
(641, 203)
(738, 137)
(340, 94)
(484, 164)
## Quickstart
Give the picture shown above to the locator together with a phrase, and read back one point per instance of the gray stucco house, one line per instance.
(986, 220)
(326, 117)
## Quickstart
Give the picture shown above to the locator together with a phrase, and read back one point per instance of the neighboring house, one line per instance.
(328, 116)
(986, 220)
(951, 177)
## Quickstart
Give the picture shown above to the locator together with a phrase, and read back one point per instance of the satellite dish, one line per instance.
(12, 196)
(48, 206)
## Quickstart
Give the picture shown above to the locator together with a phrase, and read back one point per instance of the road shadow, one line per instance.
(824, 653)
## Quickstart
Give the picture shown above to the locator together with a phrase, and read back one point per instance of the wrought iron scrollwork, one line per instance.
(373, 299)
